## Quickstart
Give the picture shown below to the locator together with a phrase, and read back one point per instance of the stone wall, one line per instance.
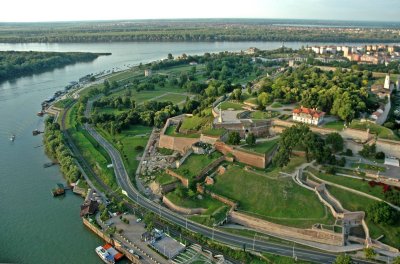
(349, 133)
(252, 159)
(209, 167)
(185, 181)
(180, 144)
(315, 235)
(209, 139)
(182, 210)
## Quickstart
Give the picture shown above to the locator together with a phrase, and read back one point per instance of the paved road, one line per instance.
(125, 183)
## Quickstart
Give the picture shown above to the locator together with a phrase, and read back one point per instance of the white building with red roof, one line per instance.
(308, 115)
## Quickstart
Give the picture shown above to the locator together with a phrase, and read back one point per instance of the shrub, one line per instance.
(380, 155)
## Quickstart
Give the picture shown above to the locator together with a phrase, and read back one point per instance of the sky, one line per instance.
(78, 10)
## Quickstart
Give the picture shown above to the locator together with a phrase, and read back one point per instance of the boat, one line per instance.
(108, 254)
(12, 138)
(41, 113)
(59, 189)
(36, 132)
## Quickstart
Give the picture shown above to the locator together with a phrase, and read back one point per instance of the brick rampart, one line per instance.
(222, 199)
(182, 210)
(252, 159)
(315, 235)
(180, 144)
(185, 181)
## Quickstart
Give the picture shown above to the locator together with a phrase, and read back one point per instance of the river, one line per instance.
(34, 226)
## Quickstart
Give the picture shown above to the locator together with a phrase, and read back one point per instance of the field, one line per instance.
(163, 178)
(170, 131)
(95, 155)
(130, 144)
(194, 122)
(337, 125)
(206, 202)
(276, 105)
(263, 115)
(230, 105)
(193, 165)
(356, 202)
(262, 147)
(380, 131)
(276, 200)
(172, 97)
(252, 100)
(356, 184)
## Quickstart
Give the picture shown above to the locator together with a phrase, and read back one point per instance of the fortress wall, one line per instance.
(315, 235)
(184, 180)
(183, 210)
(252, 159)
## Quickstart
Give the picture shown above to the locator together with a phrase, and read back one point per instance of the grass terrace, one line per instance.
(380, 131)
(262, 147)
(194, 123)
(355, 202)
(276, 200)
(163, 178)
(172, 97)
(356, 184)
(207, 202)
(337, 125)
(252, 100)
(195, 163)
(170, 131)
(230, 105)
(64, 103)
(214, 131)
(277, 105)
(263, 115)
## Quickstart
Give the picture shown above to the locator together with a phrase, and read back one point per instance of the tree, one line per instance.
(264, 99)
(369, 253)
(170, 57)
(335, 140)
(381, 212)
(237, 94)
(234, 138)
(343, 259)
(251, 139)
(396, 260)
(380, 155)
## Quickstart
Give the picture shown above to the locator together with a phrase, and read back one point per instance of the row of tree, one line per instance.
(55, 147)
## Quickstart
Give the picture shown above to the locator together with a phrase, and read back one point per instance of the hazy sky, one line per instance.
(70, 10)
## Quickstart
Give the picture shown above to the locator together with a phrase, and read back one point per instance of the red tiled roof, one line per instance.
(309, 111)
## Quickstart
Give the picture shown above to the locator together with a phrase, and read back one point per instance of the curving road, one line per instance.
(231, 239)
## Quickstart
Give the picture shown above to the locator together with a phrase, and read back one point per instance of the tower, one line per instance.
(387, 82)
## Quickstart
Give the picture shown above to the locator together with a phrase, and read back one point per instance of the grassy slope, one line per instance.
(265, 197)
(262, 147)
(195, 163)
(356, 202)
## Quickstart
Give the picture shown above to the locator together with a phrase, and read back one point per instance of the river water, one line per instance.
(34, 226)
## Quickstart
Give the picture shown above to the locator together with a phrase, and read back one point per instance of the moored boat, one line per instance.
(108, 254)
(12, 138)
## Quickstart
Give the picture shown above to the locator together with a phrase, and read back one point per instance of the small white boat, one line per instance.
(12, 138)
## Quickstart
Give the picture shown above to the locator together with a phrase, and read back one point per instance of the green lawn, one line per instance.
(337, 125)
(91, 151)
(170, 131)
(174, 98)
(368, 167)
(194, 122)
(127, 141)
(276, 105)
(229, 105)
(280, 200)
(262, 147)
(356, 184)
(207, 202)
(214, 131)
(295, 161)
(263, 115)
(109, 110)
(252, 100)
(381, 131)
(64, 103)
(164, 178)
(356, 202)
(193, 165)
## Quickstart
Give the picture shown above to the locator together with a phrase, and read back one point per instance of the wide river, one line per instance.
(34, 226)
